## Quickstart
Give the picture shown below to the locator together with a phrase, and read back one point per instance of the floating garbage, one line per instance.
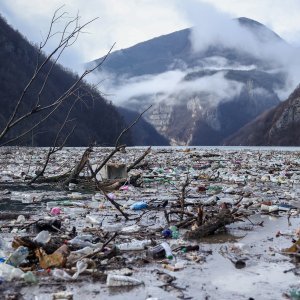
(119, 280)
(139, 205)
(171, 215)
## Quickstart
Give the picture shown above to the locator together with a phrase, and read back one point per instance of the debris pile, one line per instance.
(119, 211)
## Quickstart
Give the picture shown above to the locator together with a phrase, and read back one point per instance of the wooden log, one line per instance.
(209, 228)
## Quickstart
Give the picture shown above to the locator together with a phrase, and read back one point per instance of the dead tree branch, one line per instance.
(79, 167)
(55, 148)
(224, 217)
(68, 36)
(118, 147)
(136, 162)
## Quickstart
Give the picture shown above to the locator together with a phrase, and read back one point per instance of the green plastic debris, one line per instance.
(295, 294)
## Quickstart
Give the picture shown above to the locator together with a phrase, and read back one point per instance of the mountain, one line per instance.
(142, 134)
(96, 119)
(200, 96)
(279, 126)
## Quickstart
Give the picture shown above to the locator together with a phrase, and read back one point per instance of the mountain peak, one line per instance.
(262, 31)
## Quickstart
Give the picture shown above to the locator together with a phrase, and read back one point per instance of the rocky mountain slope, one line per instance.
(279, 126)
(199, 97)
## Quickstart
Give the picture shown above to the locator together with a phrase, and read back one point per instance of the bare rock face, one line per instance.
(279, 126)
(199, 119)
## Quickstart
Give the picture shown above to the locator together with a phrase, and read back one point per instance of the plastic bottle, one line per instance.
(43, 237)
(175, 232)
(131, 228)
(112, 227)
(139, 205)
(134, 245)
(160, 251)
(81, 266)
(8, 273)
(17, 257)
(273, 208)
(61, 274)
(92, 220)
(84, 241)
(120, 280)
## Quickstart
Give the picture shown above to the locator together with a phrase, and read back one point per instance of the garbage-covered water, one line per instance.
(202, 223)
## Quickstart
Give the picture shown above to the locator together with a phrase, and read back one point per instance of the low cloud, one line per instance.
(211, 28)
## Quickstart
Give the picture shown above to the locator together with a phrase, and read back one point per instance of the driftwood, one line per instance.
(79, 167)
(210, 227)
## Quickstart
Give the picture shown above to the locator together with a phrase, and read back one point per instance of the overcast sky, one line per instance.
(128, 22)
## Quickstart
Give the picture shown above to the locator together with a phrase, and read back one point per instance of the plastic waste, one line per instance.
(21, 219)
(43, 237)
(131, 229)
(28, 198)
(124, 188)
(55, 211)
(286, 207)
(29, 277)
(72, 186)
(84, 241)
(61, 274)
(175, 232)
(81, 266)
(176, 267)
(75, 195)
(120, 280)
(273, 208)
(134, 245)
(214, 189)
(112, 227)
(76, 255)
(139, 205)
(168, 250)
(18, 256)
(92, 220)
(160, 251)
(295, 294)
(111, 196)
(8, 272)
(166, 233)
(51, 204)
(62, 296)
